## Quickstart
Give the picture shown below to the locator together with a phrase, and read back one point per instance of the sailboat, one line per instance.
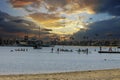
(38, 43)
(110, 50)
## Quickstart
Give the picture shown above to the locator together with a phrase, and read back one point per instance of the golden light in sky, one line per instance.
(60, 26)
(62, 17)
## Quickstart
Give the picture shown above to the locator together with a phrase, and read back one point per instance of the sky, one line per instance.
(54, 18)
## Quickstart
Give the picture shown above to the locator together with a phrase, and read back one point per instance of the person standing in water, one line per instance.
(79, 50)
(100, 48)
(58, 50)
(52, 50)
(87, 51)
(110, 49)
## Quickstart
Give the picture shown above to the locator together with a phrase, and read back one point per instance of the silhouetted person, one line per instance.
(11, 50)
(87, 51)
(52, 50)
(26, 49)
(100, 48)
(79, 50)
(58, 50)
(110, 49)
(71, 50)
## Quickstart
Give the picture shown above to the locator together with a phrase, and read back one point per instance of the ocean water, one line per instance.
(34, 61)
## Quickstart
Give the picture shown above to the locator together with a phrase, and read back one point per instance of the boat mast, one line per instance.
(39, 33)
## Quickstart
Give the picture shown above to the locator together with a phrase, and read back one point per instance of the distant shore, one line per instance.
(110, 74)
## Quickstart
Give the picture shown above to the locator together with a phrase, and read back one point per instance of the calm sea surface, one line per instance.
(29, 60)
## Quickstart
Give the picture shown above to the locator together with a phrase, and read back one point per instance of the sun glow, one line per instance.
(68, 27)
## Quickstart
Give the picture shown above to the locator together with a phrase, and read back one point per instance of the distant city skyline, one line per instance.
(75, 18)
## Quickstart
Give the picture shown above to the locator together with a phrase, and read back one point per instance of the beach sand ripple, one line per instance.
(112, 74)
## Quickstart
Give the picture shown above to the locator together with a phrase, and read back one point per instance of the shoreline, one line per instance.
(106, 74)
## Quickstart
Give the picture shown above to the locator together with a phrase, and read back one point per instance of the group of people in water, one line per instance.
(82, 50)
(20, 49)
(69, 50)
(64, 50)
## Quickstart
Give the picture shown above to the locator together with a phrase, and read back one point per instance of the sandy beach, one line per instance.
(110, 74)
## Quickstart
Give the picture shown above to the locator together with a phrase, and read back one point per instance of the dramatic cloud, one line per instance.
(44, 17)
(48, 20)
(22, 3)
(57, 5)
(15, 26)
(90, 6)
(102, 28)
(49, 13)
(110, 6)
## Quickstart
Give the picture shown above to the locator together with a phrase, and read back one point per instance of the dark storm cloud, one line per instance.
(13, 25)
(91, 6)
(73, 6)
(110, 6)
(102, 28)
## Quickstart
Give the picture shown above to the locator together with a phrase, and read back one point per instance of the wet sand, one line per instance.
(110, 74)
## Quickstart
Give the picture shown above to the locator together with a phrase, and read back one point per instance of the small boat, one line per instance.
(47, 45)
(37, 47)
(118, 47)
(118, 52)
